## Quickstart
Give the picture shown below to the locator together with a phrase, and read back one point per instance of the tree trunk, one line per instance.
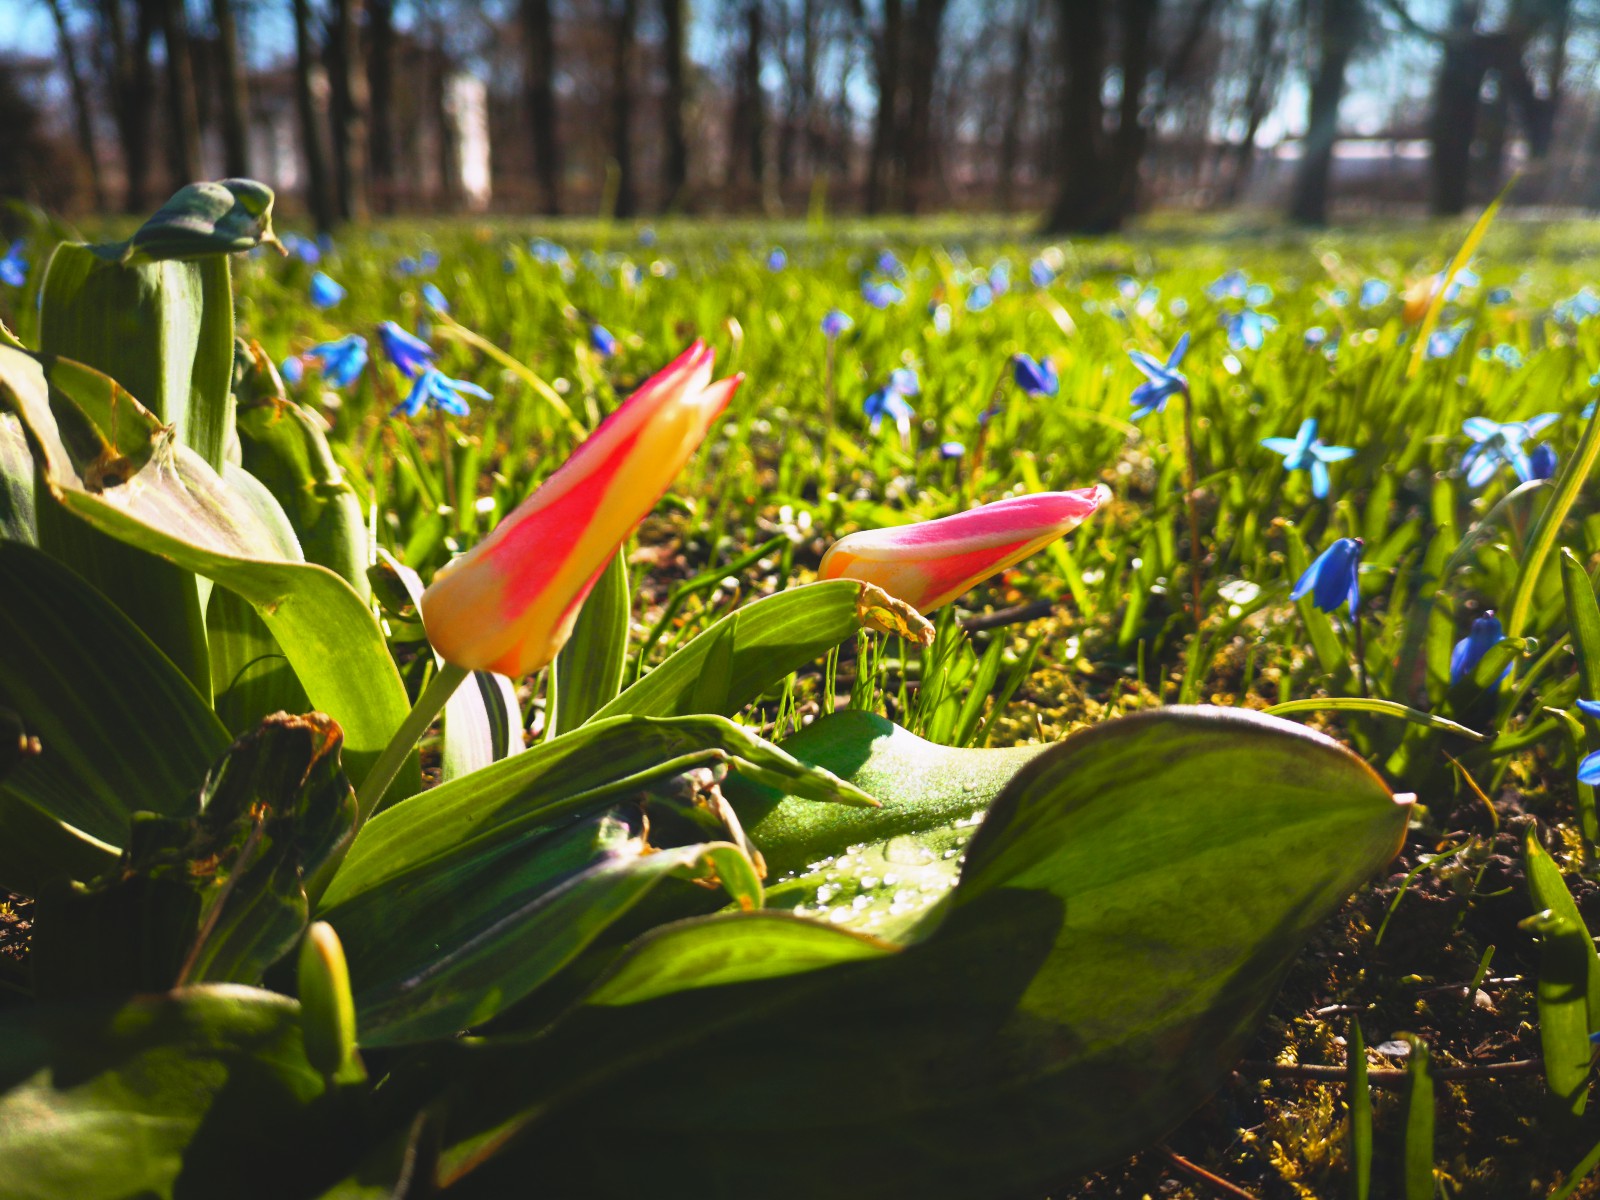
(1078, 206)
(448, 161)
(83, 118)
(1340, 28)
(887, 56)
(675, 167)
(380, 89)
(183, 113)
(318, 199)
(538, 35)
(351, 102)
(1138, 21)
(748, 136)
(1258, 91)
(627, 198)
(1455, 112)
(235, 96)
(927, 22)
(1016, 100)
(134, 82)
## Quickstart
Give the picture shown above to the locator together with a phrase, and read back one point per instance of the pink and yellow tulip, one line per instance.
(508, 604)
(931, 563)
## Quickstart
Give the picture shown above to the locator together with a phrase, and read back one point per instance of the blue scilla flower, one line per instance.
(1230, 286)
(1316, 335)
(406, 351)
(302, 248)
(1304, 452)
(341, 361)
(1508, 354)
(891, 266)
(1127, 286)
(543, 250)
(1339, 297)
(887, 402)
(325, 291)
(293, 370)
(434, 389)
(778, 259)
(942, 316)
(434, 298)
(903, 381)
(1589, 768)
(1495, 445)
(13, 267)
(1247, 328)
(1162, 380)
(1374, 292)
(1486, 633)
(1499, 295)
(602, 341)
(950, 450)
(1041, 273)
(835, 322)
(1035, 378)
(1258, 294)
(980, 298)
(647, 236)
(1332, 579)
(1000, 277)
(1442, 343)
(1577, 309)
(880, 294)
(1543, 462)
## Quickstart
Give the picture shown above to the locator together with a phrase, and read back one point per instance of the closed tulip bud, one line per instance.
(327, 1009)
(508, 604)
(931, 563)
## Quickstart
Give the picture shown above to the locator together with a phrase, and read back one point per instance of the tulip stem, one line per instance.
(429, 705)
(1191, 501)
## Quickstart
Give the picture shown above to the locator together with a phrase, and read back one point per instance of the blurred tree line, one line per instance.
(1084, 110)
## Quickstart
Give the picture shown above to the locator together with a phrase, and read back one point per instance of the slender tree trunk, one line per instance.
(1078, 206)
(887, 54)
(675, 167)
(749, 132)
(927, 23)
(318, 198)
(1016, 101)
(439, 93)
(83, 117)
(183, 111)
(1256, 102)
(235, 96)
(1138, 21)
(380, 86)
(135, 76)
(626, 21)
(538, 33)
(351, 102)
(1340, 28)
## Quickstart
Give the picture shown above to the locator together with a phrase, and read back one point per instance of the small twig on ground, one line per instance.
(1017, 614)
(1217, 1182)
(1383, 1077)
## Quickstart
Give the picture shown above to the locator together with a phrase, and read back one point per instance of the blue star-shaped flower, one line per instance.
(1495, 445)
(13, 267)
(325, 290)
(341, 361)
(1486, 633)
(1231, 286)
(1589, 768)
(434, 298)
(1332, 579)
(1374, 292)
(1041, 273)
(434, 389)
(1304, 452)
(602, 341)
(880, 294)
(406, 351)
(1247, 328)
(1162, 380)
(778, 259)
(835, 322)
(1035, 378)
(1442, 343)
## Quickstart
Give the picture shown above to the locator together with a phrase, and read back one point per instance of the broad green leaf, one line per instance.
(176, 506)
(1569, 485)
(922, 787)
(284, 446)
(455, 943)
(1547, 890)
(251, 677)
(746, 652)
(712, 951)
(217, 896)
(589, 667)
(120, 729)
(581, 773)
(17, 520)
(1564, 949)
(1126, 912)
(162, 1096)
(205, 220)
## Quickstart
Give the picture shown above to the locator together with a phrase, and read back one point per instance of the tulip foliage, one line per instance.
(849, 955)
